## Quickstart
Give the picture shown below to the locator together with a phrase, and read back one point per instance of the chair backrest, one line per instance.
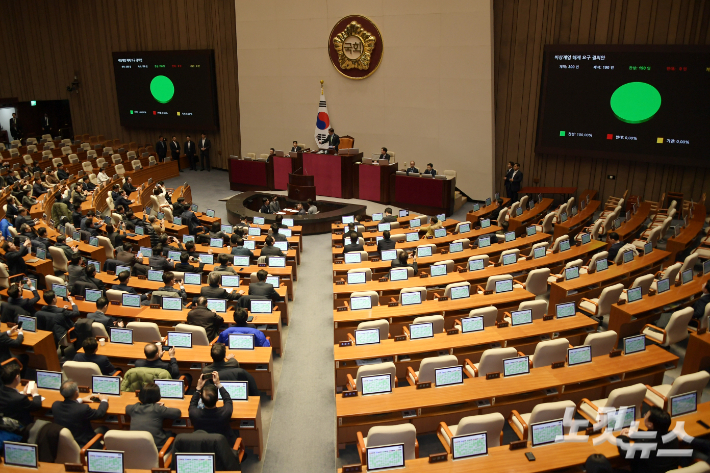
(144, 332)
(492, 424)
(98, 330)
(56, 161)
(536, 281)
(574, 263)
(140, 444)
(489, 315)
(677, 328)
(654, 236)
(28, 159)
(447, 290)
(503, 215)
(610, 295)
(50, 279)
(492, 360)
(688, 383)
(671, 272)
(629, 396)
(512, 251)
(601, 342)
(108, 247)
(524, 202)
(550, 351)
(549, 411)
(392, 434)
(556, 244)
(68, 451)
(81, 372)
(367, 271)
(437, 322)
(689, 262)
(538, 307)
(419, 289)
(371, 370)
(542, 244)
(620, 255)
(644, 282)
(491, 283)
(136, 164)
(428, 366)
(374, 296)
(73, 158)
(59, 259)
(120, 170)
(383, 325)
(199, 334)
(593, 262)
(514, 207)
(562, 209)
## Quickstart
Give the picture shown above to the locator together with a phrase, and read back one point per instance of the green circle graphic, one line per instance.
(635, 102)
(162, 89)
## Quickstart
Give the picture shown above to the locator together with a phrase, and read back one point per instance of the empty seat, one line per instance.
(620, 397)
(145, 332)
(371, 370)
(491, 361)
(491, 424)
(659, 395)
(374, 296)
(437, 322)
(601, 306)
(601, 342)
(388, 435)
(548, 352)
(674, 332)
(382, 325)
(428, 367)
(521, 423)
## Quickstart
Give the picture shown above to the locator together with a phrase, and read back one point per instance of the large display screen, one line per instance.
(634, 102)
(166, 89)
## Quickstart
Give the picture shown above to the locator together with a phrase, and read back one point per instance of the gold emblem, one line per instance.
(354, 47)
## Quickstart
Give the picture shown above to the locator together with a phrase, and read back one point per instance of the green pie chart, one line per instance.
(162, 89)
(635, 102)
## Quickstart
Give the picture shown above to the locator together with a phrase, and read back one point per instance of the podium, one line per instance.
(301, 187)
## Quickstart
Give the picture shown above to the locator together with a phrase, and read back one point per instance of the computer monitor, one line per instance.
(192, 279)
(634, 344)
(174, 255)
(464, 227)
(216, 243)
(139, 230)
(412, 236)
(545, 433)
(485, 223)
(93, 241)
(260, 306)
(571, 273)
(180, 339)
(531, 230)
(566, 309)
(76, 236)
(564, 245)
(217, 305)
(516, 366)
(510, 236)
(510, 258)
(250, 244)
(381, 227)
(92, 295)
(131, 300)
(172, 303)
(353, 257)
(376, 384)
(601, 265)
(488, 201)
(628, 256)
(206, 258)
(647, 248)
(448, 376)
(460, 292)
(424, 251)
(686, 276)
(368, 336)
(617, 223)
(60, 290)
(273, 280)
(633, 295)
(521, 317)
(360, 303)
(411, 298)
(230, 280)
(187, 238)
(439, 233)
(469, 445)
(505, 285)
(281, 245)
(258, 220)
(563, 217)
(357, 278)
(579, 355)
(518, 211)
(154, 275)
(421, 330)
(177, 221)
(684, 404)
(241, 261)
(399, 274)
(170, 388)
(25, 454)
(376, 217)
(194, 462)
(209, 213)
(456, 247)
(194, 207)
(476, 207)
(414, 223)
(49, 380)
(277, 262)
(438, 269)
(121, 335)
(472, 324)
(287, 232)
(624, 415)
(539, 252)
(95, 264)
(403, 213)
(287, 221)
(348, 219)
(41, 253)
(586, 238)
(388, 255)
(241, 341)
(484, 242)
(476, 264)
(238, 390)
(254, 231)
(663, 285)
(109, 385)
(574, 211)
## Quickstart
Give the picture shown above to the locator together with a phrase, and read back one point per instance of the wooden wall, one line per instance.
(47, 42)
(523, 27)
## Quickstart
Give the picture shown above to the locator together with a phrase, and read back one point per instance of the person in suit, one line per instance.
(213, 291)
(295, 148)
(656, 421)
(312, 209)
(175, 151)
(61, 172)
(14, 253)
(160, 263)
(75, 414)
(14, 127)
(616, 245)
(99, 316)
(14, 298)
(401, 261)
(220, 360)
(223, 266)
(7, 342)
(45, 125)
(506, 178)
(265, 206)
(240, 318)
(238, 247)
(184, 264)
(272, 153)
(496, 212)
(69, 251)
(153, 354)
(388, 217)
(149, 414)
(123, 200)
(161, 148)
(354, 244)
(90, 346)
(386, 243)
(190, 151)
(269, 249)
(383, 154)
(128, 186)
(412, 168)
(263, 288)
(430, 169)
(332, 139)
(205, 146)
(274, 232)
(57, 319)
(274, 206)
(699, 305)
(434, 224)
(15, 404)
(38, 189)
(201, 316)
(212, 419)
(515, 182)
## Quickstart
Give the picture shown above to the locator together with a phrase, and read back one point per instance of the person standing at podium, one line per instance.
(295, 148)
(333, 140)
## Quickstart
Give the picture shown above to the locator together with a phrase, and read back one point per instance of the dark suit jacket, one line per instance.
(264, 289)
(105, 320)
(385, 245)
(517, 179)
(654, 463)
(203, 317)
(13, 127)
(385, 156)
(77, 418)
(160, 263)
(508, 175)
(102, 361)
(171, 367)
(614, 250)
(200, 441)
(190, 148)
(212, 292)
(271, 251)
(265, 209)
(213, 421)
(241, 251)
(332, 140)
(175, 148)
(220, 366)
(353, 247)
(432, 172)
(207, 147)
(128, 187)
(18, 406)
(415, 170)
(699, 306)
(62, 174)
(296, 149)
(397, 264)
(161, 148)
(57, 319)
(123, 201)
(26, 304)
(149, 417)
(388, 219)
(6, 342)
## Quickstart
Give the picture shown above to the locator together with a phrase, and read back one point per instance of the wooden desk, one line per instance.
(251, 175)
(371, 233)
(628, 230)
(697, 355)
(688, 234)
(426, 195)
(573, 225)
(369, 224)
(40, 347)
(591, 285)
(249, 410)
(518, 224)
(333, 174)
(372, 181)
(347, 321)
(259, 361)
(451, 403)
(484, 212)
(464, 345)
(629, 319)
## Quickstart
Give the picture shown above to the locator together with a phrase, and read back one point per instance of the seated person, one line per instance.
(185, 266)
(412, 168)
(616, 245)
(265, 206)
(90, 346)
(388, 217)
(239, 223)
(169, 281)
(300, 209)
(238, 247)
(312, 209)
(354, 244)
(220, 360)
(699, 305)
(240, 318)
(434, 224)
(386, 243)
(269, 249)
(353, 227)
(263, 288)
(13, 403)
(496, 212)
(124, 278)
(100, 315)
(274, 232)
(203, 317)
(212, 419)
(153, 354)
(430, 169)
(215, 231)
(223, 260)
(401, 261)
(76, 413)
(658, 422)
(149, 414)
(274, 206)
(14, 297)
(57, 319)
(214, 291)
(201, 442)
(383, 154)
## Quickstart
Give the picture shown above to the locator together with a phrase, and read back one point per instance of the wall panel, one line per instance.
(42, 54)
